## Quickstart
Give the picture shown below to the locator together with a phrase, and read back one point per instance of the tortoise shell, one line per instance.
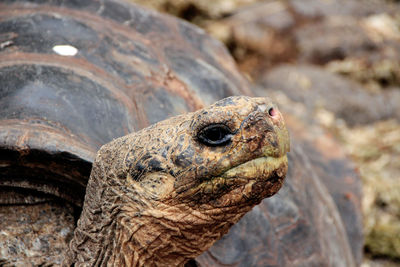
(132, 68)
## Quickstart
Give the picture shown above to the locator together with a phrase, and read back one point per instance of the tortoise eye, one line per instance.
(215, 135)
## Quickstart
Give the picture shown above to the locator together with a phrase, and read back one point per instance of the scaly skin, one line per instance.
(160, 196)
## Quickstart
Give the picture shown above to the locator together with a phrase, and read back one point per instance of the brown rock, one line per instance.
(317, 88)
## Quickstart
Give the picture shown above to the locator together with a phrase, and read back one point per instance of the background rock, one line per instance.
(321, 89)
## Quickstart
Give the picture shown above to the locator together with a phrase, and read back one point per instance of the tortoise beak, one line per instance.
(279, 142)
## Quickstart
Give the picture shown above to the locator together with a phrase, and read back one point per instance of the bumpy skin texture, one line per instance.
(161, 196)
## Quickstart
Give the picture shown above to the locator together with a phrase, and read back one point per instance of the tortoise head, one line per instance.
(232, 153)
(177, 186)
(238, 148)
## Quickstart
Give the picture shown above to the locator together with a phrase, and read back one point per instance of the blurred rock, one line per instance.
(324, 8)
(335, 38)
(262, 27)
(376, 150)
(190, 9)
(318, 32)
(380, 65)
(319, 89)
(367, 49)
(261, 35)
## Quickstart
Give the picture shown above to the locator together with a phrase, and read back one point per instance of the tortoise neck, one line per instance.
(127, 222)
(121, 228)
(156, 236)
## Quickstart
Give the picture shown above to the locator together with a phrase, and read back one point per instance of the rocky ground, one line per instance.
(338, 61)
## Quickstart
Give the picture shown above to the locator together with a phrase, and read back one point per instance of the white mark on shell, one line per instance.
(65, 50)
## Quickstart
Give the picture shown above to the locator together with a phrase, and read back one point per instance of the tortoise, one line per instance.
(132, 75)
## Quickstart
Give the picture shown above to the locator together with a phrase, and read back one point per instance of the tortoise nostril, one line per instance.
(272, 112)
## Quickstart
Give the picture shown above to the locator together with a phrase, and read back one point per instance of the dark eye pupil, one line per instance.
(215, 135)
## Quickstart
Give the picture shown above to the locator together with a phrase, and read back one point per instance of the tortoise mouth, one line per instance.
(256, 179)
(246, 183)
(260, 168)
(264, 173)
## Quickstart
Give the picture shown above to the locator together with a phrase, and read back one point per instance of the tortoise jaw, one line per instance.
(260, 168)
(258, 178)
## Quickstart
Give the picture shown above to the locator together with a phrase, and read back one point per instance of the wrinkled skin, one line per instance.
(163, 195)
